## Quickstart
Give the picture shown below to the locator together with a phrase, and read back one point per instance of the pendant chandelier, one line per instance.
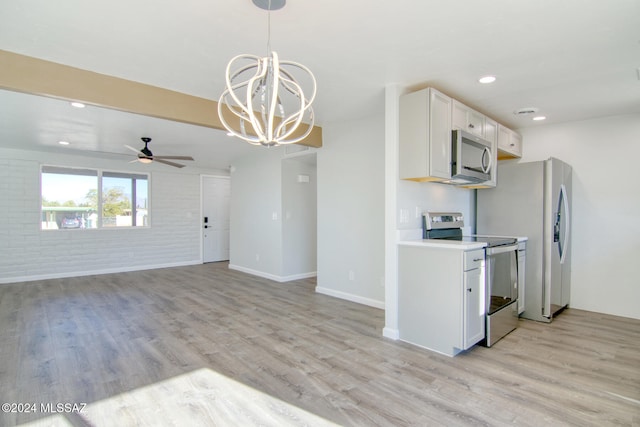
(266, 96)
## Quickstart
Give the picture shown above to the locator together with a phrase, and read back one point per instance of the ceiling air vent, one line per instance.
(526, 111)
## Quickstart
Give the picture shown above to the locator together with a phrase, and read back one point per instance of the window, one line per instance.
(124, 200)
(86, 198)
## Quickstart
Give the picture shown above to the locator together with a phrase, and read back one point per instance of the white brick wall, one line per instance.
(28, 253)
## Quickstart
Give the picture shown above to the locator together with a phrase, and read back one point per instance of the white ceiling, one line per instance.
(572, 59)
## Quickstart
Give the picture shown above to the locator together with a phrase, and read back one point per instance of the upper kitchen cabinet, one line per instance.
(425, 136)
(491, 130)
(509, 144)
(467, 119)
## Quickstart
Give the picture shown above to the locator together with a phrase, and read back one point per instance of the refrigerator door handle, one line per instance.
(567, 228)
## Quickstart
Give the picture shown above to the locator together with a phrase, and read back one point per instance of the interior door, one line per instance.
(215, 218)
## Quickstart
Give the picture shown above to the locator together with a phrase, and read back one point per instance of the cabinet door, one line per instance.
(476, 123)
(474, 312)
(459, 115)
(414, 137)
(440, 134)
(504, 138)
(509, 143)
(464, 118)
(516, 144)
(491, 131)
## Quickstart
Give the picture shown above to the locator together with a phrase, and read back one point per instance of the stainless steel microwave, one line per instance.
(470, 158)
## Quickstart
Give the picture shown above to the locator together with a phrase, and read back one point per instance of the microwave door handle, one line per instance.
(486, 153)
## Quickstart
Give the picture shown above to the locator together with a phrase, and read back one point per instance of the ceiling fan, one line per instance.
(146, 156)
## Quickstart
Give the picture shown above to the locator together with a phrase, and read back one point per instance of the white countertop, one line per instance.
(444, 244)
(413, 237)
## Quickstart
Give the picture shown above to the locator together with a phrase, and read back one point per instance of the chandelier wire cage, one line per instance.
(266, 96)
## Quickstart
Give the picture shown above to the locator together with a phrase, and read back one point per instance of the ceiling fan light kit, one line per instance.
(266, 95)
(146, 156)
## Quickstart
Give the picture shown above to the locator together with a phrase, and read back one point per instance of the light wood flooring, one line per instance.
(204, 345)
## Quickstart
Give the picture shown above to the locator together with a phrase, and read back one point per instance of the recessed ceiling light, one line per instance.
(487, 79)
(63, 142)
(78, 105)
(538, 118)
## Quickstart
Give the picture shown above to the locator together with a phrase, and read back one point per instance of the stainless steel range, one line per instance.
(501, 270)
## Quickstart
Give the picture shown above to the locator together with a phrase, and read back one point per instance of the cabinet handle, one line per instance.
(478, 259)
(471, 125)
(469, 290)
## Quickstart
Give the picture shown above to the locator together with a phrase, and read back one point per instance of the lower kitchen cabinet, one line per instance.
(441, 302)
(474, 313)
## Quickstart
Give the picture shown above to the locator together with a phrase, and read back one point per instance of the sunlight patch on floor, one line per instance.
(200, 398)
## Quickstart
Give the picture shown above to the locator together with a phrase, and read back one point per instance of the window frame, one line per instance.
(100, 174)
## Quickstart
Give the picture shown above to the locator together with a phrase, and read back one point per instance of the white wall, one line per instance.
(256, 226)
(299, 211)
(417, 197)
(606, 207)
(29, 253)
(264, 241)
(351, 211)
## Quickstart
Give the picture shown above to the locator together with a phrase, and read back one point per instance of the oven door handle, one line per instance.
(501, 249)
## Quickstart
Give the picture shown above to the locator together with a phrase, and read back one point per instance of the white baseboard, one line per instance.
(350, 297)
(17, 279)
(273, 276)
(393, 334)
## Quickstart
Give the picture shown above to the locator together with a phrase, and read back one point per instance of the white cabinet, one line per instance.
(509, 144)
(425, 136)
(473, 283)
(441, 304)
(467, 119)
(491, 131)
(426, 120)
(522, 255)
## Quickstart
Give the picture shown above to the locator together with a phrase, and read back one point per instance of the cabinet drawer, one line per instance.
(473, 259)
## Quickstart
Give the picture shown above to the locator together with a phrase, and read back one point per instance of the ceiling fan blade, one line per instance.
(166, 162)
(132, 149)
(173, 157)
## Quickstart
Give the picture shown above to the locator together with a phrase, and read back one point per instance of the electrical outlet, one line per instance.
(352, 275)
(404, 216)
(257, 257)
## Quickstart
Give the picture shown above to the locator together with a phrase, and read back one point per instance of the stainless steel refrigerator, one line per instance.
(534, 200)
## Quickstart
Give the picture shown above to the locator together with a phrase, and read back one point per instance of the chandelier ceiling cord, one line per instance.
(265, 94)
